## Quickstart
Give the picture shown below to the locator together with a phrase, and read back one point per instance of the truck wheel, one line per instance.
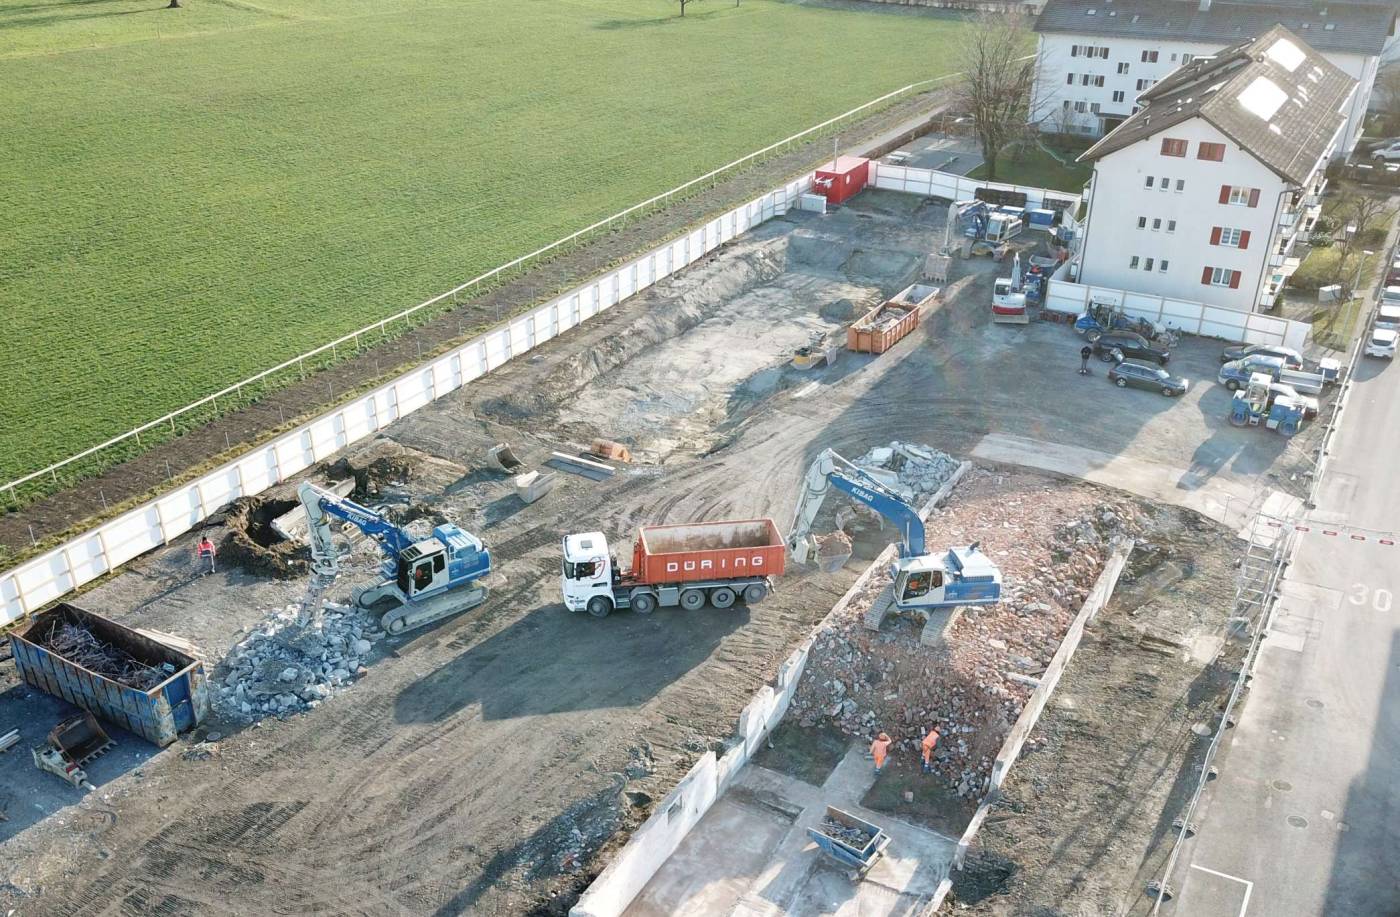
(599, 607)
(723, 597)
(756, 593)
(643, 603)
(1232, 385)
(692, 600)
(1092, 335)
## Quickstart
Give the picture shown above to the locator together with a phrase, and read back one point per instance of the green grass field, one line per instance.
(193, 195)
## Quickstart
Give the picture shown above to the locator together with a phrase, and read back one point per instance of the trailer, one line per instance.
(853, 842)
(893, 320)
(125, 677)
(687, 565)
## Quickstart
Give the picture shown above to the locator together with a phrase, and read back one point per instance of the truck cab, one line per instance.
(588, 571)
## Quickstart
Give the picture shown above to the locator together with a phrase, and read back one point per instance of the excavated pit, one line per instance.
(255, 546)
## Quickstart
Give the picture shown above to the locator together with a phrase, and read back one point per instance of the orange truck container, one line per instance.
(707, 551)
(890, 322)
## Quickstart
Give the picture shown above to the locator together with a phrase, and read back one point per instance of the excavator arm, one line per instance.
(830, 470)
(321, 505)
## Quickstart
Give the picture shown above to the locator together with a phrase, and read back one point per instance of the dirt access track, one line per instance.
(486, 764)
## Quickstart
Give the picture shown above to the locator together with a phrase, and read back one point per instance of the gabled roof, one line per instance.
(1275, 97)
(1352, 26)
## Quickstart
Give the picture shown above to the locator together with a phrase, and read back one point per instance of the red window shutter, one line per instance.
(1215, 235)
(1234, 280)
(1244, 239)
(1254, 197)
(1224, 194)
(1205, 275)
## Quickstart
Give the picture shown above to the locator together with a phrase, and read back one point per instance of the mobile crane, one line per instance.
(427, 580)
(961, 576)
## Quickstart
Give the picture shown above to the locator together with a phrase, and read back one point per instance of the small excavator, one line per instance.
(426, 580)
(922, 580)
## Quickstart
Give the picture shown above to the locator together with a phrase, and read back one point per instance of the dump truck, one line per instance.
(122, 675)
(721, 563)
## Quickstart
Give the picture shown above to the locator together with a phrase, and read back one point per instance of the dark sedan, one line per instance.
(1291, 358)
(1130, 345)
(1141, 375)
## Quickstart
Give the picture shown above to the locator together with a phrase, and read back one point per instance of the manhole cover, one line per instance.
(1297, 821)
(1283, 785)
(1315, 703)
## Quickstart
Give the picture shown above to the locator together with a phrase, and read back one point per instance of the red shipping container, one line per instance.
(708, 551)
(843, 179)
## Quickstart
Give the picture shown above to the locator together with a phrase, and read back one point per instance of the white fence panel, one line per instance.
(31, 585)
(1182, 315)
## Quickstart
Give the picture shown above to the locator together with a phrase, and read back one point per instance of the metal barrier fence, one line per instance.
(352, 340)
(92, 554)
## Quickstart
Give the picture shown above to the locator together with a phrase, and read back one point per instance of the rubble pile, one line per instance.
(850, 836)
(78, 644)
(291, 664)
(914, 470)
(1051, 542)
(887, 318)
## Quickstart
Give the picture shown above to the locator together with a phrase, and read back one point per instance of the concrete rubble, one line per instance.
(915, 471)
(1051, 541)
(288, 664)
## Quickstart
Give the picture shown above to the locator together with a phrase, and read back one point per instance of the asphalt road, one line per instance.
(1305, 816)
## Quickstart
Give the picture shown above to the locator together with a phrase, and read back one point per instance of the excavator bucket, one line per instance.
(833, 551)
(502, 458)
(79, 739)
(533, 485)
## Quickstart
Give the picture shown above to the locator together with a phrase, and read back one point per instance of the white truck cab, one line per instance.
(587, 570)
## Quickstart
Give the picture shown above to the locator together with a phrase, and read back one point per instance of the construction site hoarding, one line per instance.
(112, 671)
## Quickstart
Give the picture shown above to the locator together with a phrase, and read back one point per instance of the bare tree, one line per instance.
(1356, 212)
(997, 78)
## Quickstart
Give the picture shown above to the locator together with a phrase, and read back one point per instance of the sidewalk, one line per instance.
(750, 854)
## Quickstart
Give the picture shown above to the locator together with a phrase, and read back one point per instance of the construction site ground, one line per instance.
(1085, 819)
(487, 764)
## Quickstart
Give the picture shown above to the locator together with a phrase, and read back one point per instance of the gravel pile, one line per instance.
(289, 665)
(1051, 542)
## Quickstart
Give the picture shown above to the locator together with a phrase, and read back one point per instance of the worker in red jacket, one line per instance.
(880, 750)
(204, 550)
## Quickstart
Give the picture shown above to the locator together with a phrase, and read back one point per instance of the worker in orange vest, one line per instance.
(880, 749)
(206, 550)
(928, 744)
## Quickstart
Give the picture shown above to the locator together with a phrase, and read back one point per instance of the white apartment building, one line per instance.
(1097, 56)
(1201, 194)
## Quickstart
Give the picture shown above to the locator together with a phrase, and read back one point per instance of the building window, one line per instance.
(1133, 263)
(1149, 57)
(1083, 79)
(1171, 225)
(1123, 67)
(1069, 79)
(1156, 224)
(1162, 268)
(1166, 183)
(1066, 105)
(1147, 265)
(1117, 95)
(1230, 238)
(1181, 184)
(1173, 147)
(1074, 50)
(1144, 84)
(1081, 107)
(1239, 197)
(1220, 277)
(1103, 52)
(1150, 180)
(1098, 81)
(1142, 222)
(1094, 107)
(1214, 152)
(1187, 58)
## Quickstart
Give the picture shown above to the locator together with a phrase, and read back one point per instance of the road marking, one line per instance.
(1248, 886)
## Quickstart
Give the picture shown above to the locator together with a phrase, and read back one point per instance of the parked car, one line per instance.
(1133, 346)
(1292, 358)
(1391, 296)
(1143, 375)
(1388, 316)
(1392, 275)
(1389, 153)
(1235, 374)
(1381, 343)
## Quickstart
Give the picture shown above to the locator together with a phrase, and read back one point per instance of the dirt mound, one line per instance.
(253, 545)
(369, 478)
(841, 310)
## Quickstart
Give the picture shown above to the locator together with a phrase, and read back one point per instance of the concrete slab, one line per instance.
(1223, 500)
(750, 857)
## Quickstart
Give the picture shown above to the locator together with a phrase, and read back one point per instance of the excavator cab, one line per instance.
(423, 568)
(919, 582)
